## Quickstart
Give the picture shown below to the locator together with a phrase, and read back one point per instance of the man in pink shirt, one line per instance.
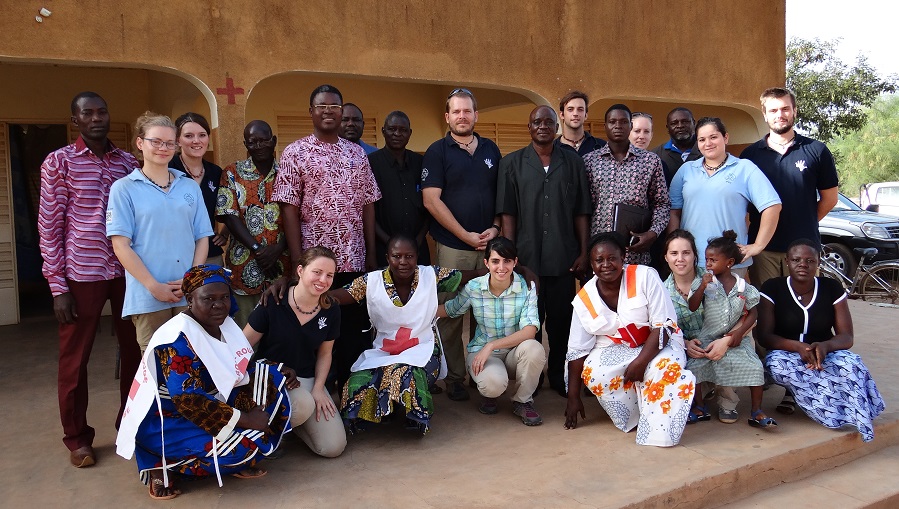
(80, 265)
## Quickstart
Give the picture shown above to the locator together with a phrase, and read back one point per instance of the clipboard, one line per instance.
(630, 218)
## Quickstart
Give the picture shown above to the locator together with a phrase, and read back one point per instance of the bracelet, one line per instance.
(498, 229)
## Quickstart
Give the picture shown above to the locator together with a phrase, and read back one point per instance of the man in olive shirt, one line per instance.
(544, 198)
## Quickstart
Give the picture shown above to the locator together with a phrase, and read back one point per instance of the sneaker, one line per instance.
(488, 406)
(727, 416)
(528, 414)
(457, 392)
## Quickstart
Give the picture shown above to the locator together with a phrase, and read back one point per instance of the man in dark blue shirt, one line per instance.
(800, 169)
(682, 145)
(459, 190)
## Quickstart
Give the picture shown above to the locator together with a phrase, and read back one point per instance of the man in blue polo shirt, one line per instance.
(681, 147)
(459, 190)
(800, 169)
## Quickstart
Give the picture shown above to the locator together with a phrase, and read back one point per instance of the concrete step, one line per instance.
(871, 481)
(867, 473)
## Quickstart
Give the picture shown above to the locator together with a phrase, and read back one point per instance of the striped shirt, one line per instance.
(72, 219)
(497, 317)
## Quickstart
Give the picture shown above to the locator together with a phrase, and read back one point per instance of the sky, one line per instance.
(867, 26)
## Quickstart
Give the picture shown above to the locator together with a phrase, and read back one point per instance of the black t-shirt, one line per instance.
(209, 187)
(807, 324)
(285, 340)
(589, 144)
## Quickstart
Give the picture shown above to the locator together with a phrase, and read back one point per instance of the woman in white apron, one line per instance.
(626, 348)
(406, 357)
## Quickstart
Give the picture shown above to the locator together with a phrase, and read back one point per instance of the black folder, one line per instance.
(631, 218)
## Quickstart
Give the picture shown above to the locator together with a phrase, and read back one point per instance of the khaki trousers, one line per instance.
(145, 324)
(524, 363)
(451, 328)
(326, 437)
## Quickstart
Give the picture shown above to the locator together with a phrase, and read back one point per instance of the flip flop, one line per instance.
(250, 473)
(765, 422)
(693, 417)
(159, 482)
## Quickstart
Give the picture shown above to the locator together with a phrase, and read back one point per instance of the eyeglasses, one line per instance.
(458, 91)
(157, 143)
(256, 143)
(327, 107)
(638, 114)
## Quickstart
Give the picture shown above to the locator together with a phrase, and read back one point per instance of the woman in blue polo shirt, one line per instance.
(711, 195)
(158, 226)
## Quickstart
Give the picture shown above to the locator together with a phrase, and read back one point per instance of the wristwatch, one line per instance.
(498, 229)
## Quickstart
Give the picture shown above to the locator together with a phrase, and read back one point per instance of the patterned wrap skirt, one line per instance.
(370, 395)
(843, 393)
(191, 451)
(657, 406)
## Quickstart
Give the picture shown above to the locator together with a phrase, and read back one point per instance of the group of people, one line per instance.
(236, 292)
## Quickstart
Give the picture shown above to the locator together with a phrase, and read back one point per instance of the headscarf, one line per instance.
(205, 274)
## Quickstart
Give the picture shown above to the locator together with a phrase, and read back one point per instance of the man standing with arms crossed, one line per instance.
(459, 190)
(544, 198)
(80, 265)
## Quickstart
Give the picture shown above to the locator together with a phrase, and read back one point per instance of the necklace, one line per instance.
(713, 169)
(168, 185)
(577, 143)
(799, 296)
(187, 169)
(784, 144)
(466, 145)
(296, 304)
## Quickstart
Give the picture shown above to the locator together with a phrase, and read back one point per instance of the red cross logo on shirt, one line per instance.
(402, 342)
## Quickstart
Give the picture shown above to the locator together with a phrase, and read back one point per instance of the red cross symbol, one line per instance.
(402, 342)
(230, 90)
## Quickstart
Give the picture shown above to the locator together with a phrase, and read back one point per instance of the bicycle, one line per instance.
(874, 282)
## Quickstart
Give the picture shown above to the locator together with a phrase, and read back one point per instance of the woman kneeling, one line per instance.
(214, 412)
(626, 347)
(503, 345)
(805, 324)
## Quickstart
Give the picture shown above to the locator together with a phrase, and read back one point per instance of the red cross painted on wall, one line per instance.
(230, 90)
(403, 341)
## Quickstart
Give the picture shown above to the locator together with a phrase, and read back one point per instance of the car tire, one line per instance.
(842, 258)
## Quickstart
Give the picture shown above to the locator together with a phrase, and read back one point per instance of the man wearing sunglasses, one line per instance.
(459, 190)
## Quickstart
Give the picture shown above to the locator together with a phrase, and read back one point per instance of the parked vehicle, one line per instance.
(882, 197)
(848, 226)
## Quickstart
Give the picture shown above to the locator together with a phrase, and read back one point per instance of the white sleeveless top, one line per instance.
(404, 334)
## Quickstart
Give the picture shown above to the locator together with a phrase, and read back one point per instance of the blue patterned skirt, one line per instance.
(843, 393)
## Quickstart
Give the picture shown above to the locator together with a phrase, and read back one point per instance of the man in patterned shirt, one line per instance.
(80, 265)
(327, 193)
(257, 248)
(623, 173)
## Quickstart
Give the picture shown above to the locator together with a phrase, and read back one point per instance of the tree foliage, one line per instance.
(870, 154)
(831, 96)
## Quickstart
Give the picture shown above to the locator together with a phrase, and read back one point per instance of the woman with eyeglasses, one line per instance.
(805, 324)
(158, 227)
(192, 133)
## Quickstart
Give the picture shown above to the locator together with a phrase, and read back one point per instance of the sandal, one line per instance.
(788, 405)
(157, 484)
(703, 415)
(728, 416)
(764, 422)
(250, 473)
